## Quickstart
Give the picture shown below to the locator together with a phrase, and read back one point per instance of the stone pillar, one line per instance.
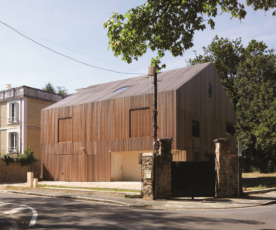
(30, 179)
(147, 176)
(163, 169)
(226, 164)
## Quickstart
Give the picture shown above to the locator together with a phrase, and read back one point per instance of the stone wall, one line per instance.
(14, 172)
(226, 169)
(163, 169)
(147, 176)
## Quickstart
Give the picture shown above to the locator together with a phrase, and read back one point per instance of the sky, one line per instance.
(75, 28)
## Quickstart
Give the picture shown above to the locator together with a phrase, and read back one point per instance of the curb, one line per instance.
(260, 191)
(80, 198)
(269, 202)
(151, 206)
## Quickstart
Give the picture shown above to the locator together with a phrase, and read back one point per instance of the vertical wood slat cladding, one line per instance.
(65, 129)
(101, 127)
(193, 103)
(98, 128)
(140, 122)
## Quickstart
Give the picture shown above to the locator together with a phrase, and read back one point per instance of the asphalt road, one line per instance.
(18, 211)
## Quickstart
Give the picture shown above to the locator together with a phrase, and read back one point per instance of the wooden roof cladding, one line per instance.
(167, 81)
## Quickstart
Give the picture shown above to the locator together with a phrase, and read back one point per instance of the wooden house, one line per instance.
(99, 133)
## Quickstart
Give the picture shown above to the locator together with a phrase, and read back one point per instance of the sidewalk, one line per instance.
(183, 203)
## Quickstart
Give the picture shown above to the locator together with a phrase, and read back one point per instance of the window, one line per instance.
(209, 90)
(65, 131)
(230, 129)
(140, 120)
(122, 89)
(195, 129)
(13, 113)
(13, 143)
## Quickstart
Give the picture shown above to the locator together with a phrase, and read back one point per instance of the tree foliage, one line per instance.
(25, 159)
(49, 88)
(168, 25)
(249, 77)
(60, 89)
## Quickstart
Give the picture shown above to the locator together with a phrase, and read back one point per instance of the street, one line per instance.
(54, 213)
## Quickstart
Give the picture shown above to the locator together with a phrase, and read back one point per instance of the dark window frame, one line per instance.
(195, 128)
(210, 91)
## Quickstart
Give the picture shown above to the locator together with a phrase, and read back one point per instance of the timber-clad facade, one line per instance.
(99, 133)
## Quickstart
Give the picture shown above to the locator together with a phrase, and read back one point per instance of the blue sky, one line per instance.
(78, 25)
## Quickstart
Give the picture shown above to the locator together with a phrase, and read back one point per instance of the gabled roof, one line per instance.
(167, 81)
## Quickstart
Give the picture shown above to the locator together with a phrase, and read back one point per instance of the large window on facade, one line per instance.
(140, 120)
(195, 129)
(230, 129)
(65, 131)
(13, 145)
(13, 113)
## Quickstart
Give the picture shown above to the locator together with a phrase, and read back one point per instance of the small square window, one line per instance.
(195, 129)
(209, 90)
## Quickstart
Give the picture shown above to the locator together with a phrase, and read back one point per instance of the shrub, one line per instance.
(25, 159)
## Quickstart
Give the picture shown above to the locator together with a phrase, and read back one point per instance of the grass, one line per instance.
(258, 174)
(9, 187)
(97, 189)
(92, 189)
(260, 187)
(256, 179)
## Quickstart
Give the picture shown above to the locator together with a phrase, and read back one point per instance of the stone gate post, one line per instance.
(163, 169)
(147, 176)
(226, 166)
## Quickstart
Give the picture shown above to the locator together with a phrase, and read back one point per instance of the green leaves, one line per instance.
(167, 25)
(249, 77)
(25, 159)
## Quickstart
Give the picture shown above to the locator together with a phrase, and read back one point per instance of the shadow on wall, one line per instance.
(47, 175)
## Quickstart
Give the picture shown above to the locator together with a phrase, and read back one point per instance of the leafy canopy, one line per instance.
(249, 77)
(168, 25)
(51, 89)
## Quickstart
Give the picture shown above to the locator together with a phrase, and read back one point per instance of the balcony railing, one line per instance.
(12, 149)
(13, 120)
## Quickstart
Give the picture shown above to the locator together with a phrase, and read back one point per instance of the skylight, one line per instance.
(122, 89)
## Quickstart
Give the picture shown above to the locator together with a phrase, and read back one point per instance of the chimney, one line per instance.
(8, 86)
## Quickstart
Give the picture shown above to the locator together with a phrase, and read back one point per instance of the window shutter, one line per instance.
(65, 130)
(140, 122)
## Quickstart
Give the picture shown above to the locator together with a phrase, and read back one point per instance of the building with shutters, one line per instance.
(100, 132)
(20, 110)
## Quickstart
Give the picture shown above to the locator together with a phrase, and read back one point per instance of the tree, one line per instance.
(168, 25)
(49, 88)
(226, 56)
(249, 77)
(62, 91)
(256, 118)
